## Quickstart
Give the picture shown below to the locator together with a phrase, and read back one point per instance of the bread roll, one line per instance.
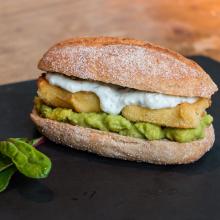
(127, 148)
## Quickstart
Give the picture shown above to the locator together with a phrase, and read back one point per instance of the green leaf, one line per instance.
(5, 162)
(28, 160)
(35, 142)
(27, 140)
(21, 154)
(5, 177)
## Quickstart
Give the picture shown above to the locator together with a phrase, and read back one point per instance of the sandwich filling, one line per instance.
(125, 111)
(114, 98)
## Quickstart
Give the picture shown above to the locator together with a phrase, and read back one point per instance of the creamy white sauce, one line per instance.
(114, 98)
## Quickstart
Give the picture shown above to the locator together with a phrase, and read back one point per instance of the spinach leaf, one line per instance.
(5, 162)
(29, 161)
(5, 177)
(35, 142)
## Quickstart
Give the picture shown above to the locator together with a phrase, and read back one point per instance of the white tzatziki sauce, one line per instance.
(114, 98)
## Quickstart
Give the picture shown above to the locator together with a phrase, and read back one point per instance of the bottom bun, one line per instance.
(114, 145)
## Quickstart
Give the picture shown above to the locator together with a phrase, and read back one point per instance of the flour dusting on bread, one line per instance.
(144, 67)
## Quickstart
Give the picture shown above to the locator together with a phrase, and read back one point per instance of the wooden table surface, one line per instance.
(29, 27)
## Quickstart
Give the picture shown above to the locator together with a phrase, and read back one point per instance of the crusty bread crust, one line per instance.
(129, 63)
(117, 146)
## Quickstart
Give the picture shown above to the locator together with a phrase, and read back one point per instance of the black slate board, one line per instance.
(85, 186)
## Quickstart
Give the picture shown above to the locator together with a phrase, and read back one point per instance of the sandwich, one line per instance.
(124, 98)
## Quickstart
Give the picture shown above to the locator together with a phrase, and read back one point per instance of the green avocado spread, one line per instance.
(119, 124)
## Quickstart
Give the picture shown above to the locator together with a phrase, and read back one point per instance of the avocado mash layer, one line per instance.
(119, 124)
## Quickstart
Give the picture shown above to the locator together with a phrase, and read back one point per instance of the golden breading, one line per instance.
(57, 97)
(184, 115)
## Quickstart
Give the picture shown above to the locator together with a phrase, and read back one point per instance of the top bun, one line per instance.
(129, 63)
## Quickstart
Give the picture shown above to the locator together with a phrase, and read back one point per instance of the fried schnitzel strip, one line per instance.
(57, 97)
(184, 115)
